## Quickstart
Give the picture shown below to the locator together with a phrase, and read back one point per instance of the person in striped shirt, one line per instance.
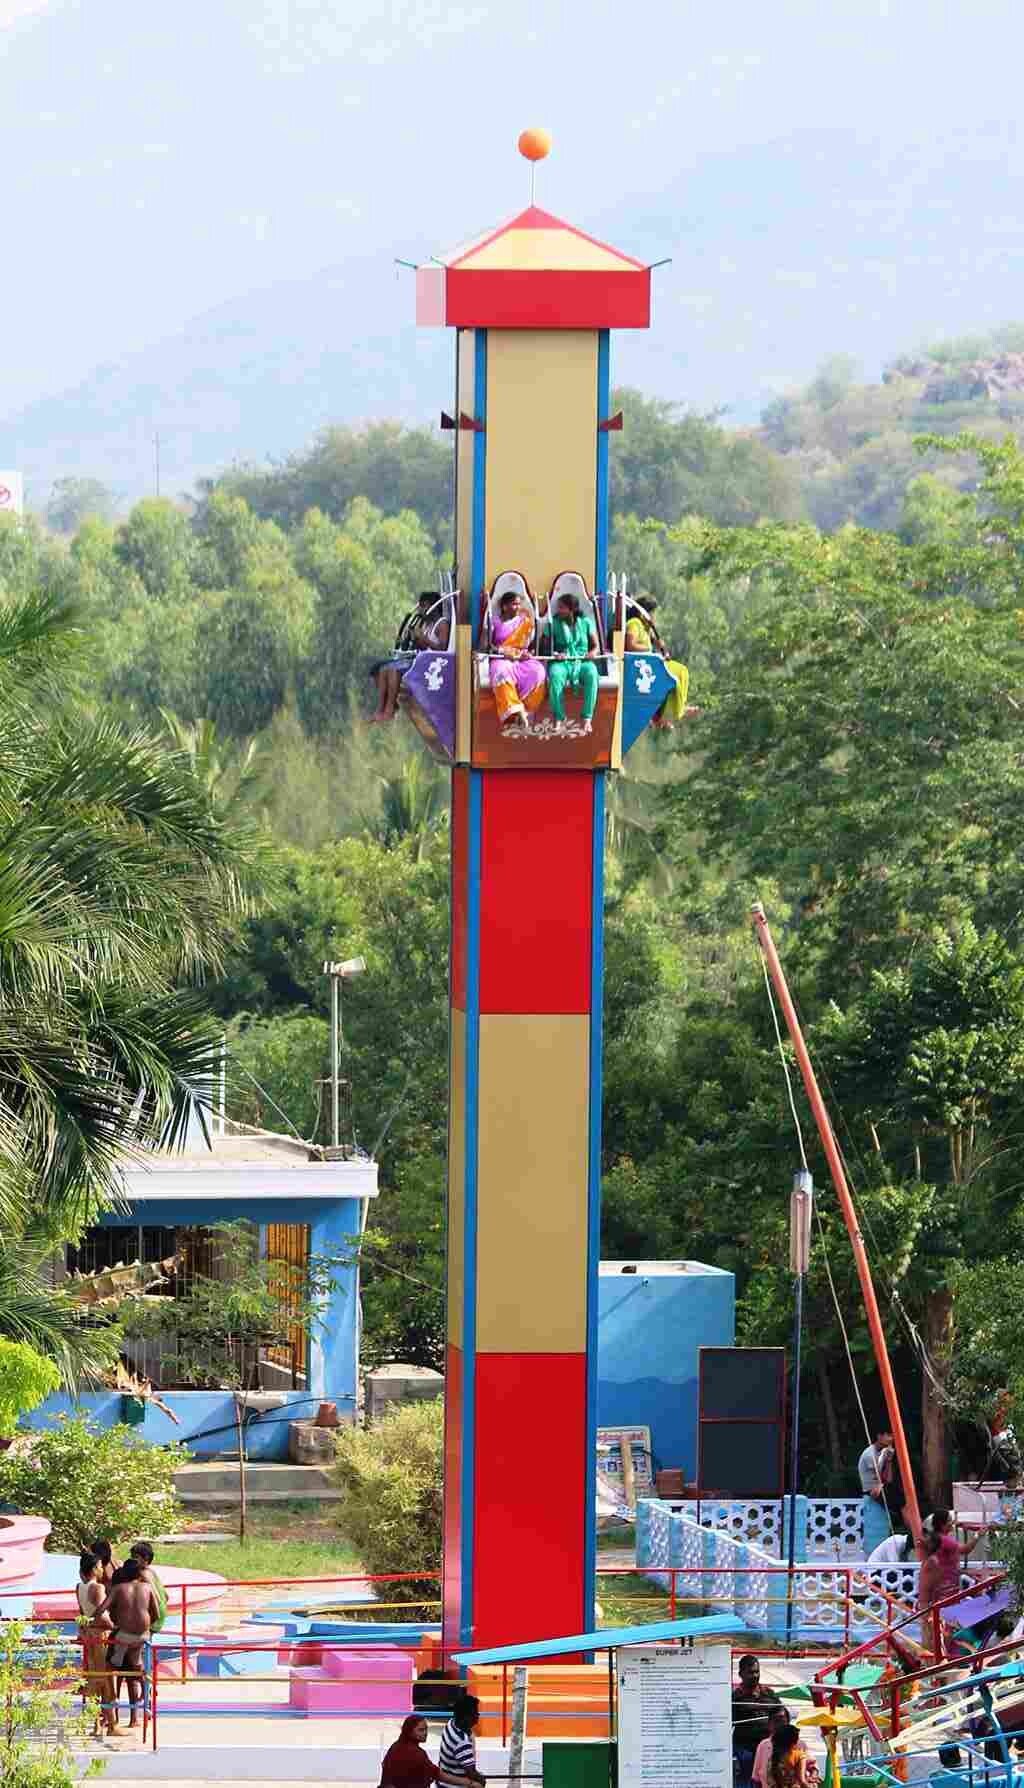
(458, 1746)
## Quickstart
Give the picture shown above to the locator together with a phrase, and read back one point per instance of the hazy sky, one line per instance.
(161, 159)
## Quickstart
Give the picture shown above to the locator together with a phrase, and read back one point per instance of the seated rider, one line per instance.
(419, 633)
(642, 636)
(517, 678)
(575, 648)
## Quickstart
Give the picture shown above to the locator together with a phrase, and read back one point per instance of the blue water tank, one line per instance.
(653, 1317)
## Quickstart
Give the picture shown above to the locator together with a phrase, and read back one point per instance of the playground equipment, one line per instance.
(533, 304)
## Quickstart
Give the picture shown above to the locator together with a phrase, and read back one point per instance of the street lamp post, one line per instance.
(338, 972)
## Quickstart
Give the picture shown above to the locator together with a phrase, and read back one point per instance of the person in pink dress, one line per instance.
(943, 1559)
(517, 678)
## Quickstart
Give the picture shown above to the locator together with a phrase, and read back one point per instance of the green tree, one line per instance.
(864, 749)
(393, 467)
(73, 500)
(119, 886)
(86, 1481)
(927, 1065)
(667, 464)
(34, 1698)
(157, 543)
(26, 1378)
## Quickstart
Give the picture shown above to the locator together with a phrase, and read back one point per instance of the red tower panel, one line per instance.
(452, 1555)
(531, 1424)
(535, 891)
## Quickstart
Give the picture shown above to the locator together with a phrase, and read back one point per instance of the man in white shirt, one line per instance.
(893, 1551)
(458, 1746)
(873, 1469)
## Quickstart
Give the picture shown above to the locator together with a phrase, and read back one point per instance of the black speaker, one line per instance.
(741, 1422)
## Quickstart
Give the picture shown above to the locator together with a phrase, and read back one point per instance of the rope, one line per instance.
(817, 1212)
(782, 1057)
(890, 1289)
(842, 1327)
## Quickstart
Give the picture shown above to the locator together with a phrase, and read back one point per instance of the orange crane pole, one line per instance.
(846, 1204)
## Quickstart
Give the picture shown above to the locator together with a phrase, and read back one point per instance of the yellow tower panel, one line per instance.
(465, 400)
(531, 1296)
(541, 454)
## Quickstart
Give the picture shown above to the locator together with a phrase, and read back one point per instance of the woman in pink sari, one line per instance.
(517, 679)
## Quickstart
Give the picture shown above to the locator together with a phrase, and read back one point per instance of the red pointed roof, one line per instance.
(535, 272)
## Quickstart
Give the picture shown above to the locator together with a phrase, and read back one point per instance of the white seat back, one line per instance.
(571, 583)
(505, 584)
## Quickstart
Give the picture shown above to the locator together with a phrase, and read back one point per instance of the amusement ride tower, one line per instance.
(533, 304)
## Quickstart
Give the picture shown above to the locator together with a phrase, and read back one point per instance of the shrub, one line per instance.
(34, 1699)
(26, 1378)
(87, 1481)
(392, 1475)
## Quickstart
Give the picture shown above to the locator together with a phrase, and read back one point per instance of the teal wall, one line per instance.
(650, 1330)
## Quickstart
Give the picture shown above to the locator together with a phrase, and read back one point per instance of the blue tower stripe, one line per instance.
(603, 402)
(479, 477)
(594, 1187)
(470, 1143)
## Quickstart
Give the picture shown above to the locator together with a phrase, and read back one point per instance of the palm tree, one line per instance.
(121, 887)
(233, 775)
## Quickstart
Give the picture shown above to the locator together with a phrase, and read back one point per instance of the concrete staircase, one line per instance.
(216, 1481)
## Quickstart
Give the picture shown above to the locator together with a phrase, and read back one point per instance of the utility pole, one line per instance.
(846, 1205)
(801, 1205)
(338, 972)
(156, 459)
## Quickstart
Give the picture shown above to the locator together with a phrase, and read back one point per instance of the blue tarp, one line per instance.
(699, 1626)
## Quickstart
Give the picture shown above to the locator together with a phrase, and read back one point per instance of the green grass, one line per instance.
(285, 1540)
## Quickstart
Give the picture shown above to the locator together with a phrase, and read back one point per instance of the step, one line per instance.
(312, 1691)
(217, 1482)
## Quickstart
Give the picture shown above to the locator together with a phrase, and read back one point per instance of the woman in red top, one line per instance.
(406, 1764)
(944, 1556)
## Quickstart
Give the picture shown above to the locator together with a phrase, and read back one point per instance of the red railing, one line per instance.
(845, 1583)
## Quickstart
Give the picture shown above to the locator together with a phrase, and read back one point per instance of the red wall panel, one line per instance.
(460, 871)
(556, 298)
(530, 1429)
(536, 875)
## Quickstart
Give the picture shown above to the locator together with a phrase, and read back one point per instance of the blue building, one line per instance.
(301, 1206)
(653, 1318)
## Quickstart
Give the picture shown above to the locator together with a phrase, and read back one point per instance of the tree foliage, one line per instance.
(87, 1481)
(391, 1475)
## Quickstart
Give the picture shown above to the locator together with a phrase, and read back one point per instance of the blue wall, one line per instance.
(207, 1420)
(650, 1329)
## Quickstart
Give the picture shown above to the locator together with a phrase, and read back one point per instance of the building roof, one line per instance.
(239, 1162)
(535, 241)
(535, 271)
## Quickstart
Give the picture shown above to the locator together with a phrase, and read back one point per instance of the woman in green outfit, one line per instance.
(575, 643)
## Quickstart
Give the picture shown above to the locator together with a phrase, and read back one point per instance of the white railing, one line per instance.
(829, 1528)
(708, 1562)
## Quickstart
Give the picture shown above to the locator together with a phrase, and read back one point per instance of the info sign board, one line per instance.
(675, 1715)
(12, 493)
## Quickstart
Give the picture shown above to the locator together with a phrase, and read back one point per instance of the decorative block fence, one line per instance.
(718, 1561)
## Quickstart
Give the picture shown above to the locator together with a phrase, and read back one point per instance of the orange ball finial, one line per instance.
(535, 144)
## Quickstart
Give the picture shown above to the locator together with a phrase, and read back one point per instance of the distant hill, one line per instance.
(251, 380)
(781, 254)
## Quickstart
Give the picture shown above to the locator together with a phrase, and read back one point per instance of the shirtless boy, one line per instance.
(133, 1608)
